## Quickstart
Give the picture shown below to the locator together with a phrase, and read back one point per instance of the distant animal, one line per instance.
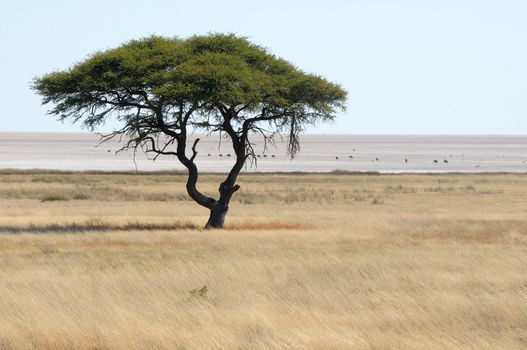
(377, 159)
(265, 155)
(406, 160)
(273, 156)
(477, 166)
(109, 150)
(228, 154)
(221, 155)
(445, 161)
(258, 156)
(351, 156)
(337, 158)
(208, 154)
(436, 161)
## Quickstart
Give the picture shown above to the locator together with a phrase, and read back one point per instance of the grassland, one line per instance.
(93, 261)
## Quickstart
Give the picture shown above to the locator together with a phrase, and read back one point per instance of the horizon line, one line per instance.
(304, 133)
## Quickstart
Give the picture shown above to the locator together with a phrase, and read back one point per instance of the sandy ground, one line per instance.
(382, 153)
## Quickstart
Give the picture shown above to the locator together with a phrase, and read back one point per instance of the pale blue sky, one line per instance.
(418, 66)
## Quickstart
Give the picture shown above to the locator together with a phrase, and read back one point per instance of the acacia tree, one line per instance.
(162, 89)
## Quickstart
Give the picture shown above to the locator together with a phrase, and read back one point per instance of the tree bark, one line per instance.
(221, 207)
(217, 217)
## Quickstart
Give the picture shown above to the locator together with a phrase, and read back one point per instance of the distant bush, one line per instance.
(54, 197)
(80, 196)
(399, 189)
(377, 201)
(470, 188)
(199, 292)
(440, 189)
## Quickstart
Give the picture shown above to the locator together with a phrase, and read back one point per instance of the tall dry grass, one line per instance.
(307, 262)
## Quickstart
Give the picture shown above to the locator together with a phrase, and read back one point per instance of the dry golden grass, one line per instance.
(92, 261)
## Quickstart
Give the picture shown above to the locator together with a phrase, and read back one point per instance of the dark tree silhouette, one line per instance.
(162, 89)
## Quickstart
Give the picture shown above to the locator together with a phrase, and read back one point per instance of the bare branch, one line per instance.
(194, 152)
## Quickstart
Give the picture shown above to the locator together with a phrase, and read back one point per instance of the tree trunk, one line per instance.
(221, 207)
(217, 216)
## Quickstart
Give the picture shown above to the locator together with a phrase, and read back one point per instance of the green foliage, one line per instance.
(200, 71)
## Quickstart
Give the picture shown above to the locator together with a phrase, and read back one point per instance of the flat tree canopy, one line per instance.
(171, 87)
